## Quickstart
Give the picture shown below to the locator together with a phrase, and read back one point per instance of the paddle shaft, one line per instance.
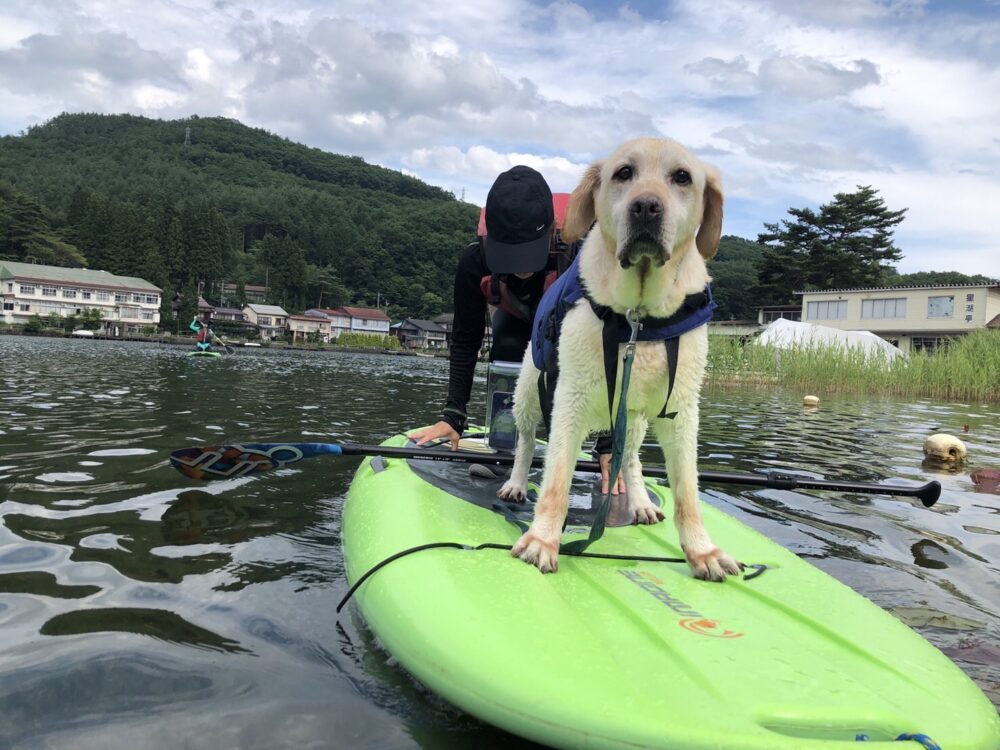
(226, 461)
(928, 493)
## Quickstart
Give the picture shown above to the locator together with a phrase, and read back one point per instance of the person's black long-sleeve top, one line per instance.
(468, 330)
(469, 327)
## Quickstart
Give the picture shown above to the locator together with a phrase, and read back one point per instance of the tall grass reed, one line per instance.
(967, 368)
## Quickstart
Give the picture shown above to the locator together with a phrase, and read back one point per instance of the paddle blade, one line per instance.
(221, 461)
(207, 462)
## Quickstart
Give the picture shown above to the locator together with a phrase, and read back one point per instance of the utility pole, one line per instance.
(187, 136)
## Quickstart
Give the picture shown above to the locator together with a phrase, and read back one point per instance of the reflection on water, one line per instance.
(141, 610)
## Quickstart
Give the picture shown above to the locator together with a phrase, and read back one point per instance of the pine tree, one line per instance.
(847, 244)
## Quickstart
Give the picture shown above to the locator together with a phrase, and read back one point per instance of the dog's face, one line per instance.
(652, 199)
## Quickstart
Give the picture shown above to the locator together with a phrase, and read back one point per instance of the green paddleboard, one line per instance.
(627, 654)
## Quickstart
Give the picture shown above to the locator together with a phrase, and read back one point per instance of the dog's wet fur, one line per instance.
(658, 213)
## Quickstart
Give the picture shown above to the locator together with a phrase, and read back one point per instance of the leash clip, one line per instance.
(632, 317)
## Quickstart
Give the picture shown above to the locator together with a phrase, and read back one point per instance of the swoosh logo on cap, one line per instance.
(540, 227)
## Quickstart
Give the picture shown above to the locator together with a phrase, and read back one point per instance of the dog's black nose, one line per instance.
(646, 211)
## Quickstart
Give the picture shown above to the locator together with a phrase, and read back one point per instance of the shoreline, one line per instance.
(235, 345)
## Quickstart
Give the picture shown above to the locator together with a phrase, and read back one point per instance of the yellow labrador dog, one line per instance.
(658, 212)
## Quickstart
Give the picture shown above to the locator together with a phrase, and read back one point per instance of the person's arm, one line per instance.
(467, 336)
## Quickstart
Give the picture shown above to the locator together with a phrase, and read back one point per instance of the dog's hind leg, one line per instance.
(527, 412)
(640, 508)
(679, 439)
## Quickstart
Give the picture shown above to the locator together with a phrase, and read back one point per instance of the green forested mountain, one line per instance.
(213, 200)
(734, 274)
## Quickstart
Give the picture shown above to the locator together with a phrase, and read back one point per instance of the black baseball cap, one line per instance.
(519, 219)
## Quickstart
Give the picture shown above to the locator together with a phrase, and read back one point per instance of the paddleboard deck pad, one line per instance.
(625, 653)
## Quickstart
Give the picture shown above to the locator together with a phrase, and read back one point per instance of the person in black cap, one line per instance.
(509, 269)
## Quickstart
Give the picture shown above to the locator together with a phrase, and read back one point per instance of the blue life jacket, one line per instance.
(568, 289)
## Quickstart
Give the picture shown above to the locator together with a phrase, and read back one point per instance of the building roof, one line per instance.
(723, 323)
(266, 309)
(84, 277)
(981, 285)
(367, 313)
(326, 311)
(426, 325)
(445, 319)
(227, 311)
(310, 318)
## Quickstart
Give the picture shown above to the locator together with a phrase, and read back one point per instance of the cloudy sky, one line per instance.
(794, 100)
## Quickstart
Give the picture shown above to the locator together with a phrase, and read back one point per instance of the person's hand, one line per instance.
(440, 430)
(605, 460)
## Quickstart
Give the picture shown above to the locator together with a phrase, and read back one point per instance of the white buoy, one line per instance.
(944, 448)
(811, 401)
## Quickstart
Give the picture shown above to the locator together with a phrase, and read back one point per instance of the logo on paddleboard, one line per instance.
(692, 620)
(704, 626)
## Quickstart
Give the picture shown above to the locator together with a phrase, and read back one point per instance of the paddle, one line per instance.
(229, 349)
(236, 460)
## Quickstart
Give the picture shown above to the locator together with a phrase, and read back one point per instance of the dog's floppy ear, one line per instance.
(711, 219)
(581, 212)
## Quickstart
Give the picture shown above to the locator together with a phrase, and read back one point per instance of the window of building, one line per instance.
(103, 296)
(832, 310)
(10, 286)
(8, 305)
(147, 315)
(85, 293)
(120, 297)
(768, 316)
(264, 321)
(48, 291)
(883, 308)
(24, 307)
(941, 307)
(928, 343)
(27, 289)
(69, 293)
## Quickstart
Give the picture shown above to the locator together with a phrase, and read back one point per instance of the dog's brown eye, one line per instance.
(624, 173)
(681, 177)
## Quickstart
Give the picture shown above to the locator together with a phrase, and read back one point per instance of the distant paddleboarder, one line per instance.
(201, 327)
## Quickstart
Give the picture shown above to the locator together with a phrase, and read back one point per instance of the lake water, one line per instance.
(141, 610)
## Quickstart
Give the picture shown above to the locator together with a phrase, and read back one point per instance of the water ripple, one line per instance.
(139, 609)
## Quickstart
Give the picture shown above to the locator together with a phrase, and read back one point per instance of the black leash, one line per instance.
(756, 569)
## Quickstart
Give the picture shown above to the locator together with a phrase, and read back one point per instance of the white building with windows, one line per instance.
(366, 320)
(912, 318)
(270, 319)
(338, 320)
(127, 304)
(304, 326)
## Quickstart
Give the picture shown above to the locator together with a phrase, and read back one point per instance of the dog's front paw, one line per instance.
(712, 565)
(514, 491)
(538, 550)
(645, 512)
